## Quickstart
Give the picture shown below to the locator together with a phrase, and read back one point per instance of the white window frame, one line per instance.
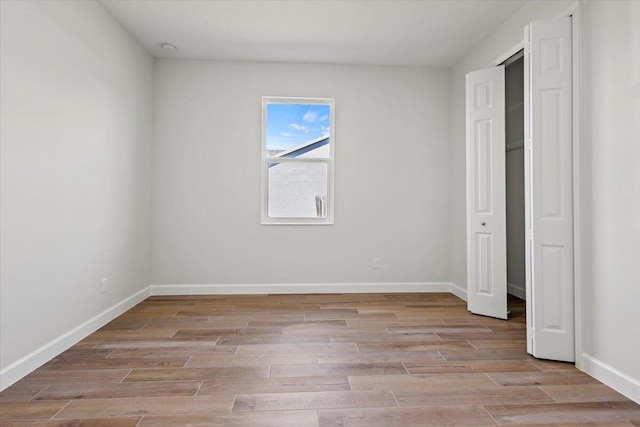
(265, 159)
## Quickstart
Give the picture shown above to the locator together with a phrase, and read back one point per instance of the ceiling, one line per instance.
(430, 33)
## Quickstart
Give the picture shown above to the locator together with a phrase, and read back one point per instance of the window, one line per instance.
(297, 160)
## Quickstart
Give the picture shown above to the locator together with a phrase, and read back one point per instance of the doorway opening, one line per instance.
(550, 122)
(514, 179)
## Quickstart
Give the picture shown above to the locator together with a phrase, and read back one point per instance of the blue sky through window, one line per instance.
(290, 125)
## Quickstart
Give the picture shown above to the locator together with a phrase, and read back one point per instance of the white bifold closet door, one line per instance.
(486, 193)
(549, 180)
(548, 190)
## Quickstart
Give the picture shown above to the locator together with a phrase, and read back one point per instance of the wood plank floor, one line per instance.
(309, 360)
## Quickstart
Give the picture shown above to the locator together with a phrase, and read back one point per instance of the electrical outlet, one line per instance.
(104, 286)
(376, 263)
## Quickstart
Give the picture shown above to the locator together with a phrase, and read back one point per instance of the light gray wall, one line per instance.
(75, 172)
(391, 170)
(610, 184)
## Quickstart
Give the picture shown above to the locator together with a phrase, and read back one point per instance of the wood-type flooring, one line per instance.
(309, 360)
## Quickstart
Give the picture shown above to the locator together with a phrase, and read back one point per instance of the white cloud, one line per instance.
(300, 127)
(323, 118)
(326, 131)
(310, 116)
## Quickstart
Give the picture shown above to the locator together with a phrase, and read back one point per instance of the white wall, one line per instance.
(610, 179)
(391, 174)
(75, 170)
(609, 169)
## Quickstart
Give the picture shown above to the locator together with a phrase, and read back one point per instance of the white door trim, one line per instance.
(575, 12)
(508, 54)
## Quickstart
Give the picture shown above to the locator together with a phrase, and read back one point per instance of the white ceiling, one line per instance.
(391, 32)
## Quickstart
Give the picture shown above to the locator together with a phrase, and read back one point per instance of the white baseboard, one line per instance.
(610, 376)
(459, 291)
(517, 291)
(42, 355)
(301, 288)
(20, 368)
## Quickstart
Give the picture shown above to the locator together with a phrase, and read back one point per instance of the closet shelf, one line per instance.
(515, 145)
(514, 107)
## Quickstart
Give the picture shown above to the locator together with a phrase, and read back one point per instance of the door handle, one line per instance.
(484, 224)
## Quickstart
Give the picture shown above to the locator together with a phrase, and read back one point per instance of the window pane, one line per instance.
(298, 130)
(297, 190)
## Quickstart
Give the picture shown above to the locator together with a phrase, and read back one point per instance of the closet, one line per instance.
(506, 178)
(514, 177)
